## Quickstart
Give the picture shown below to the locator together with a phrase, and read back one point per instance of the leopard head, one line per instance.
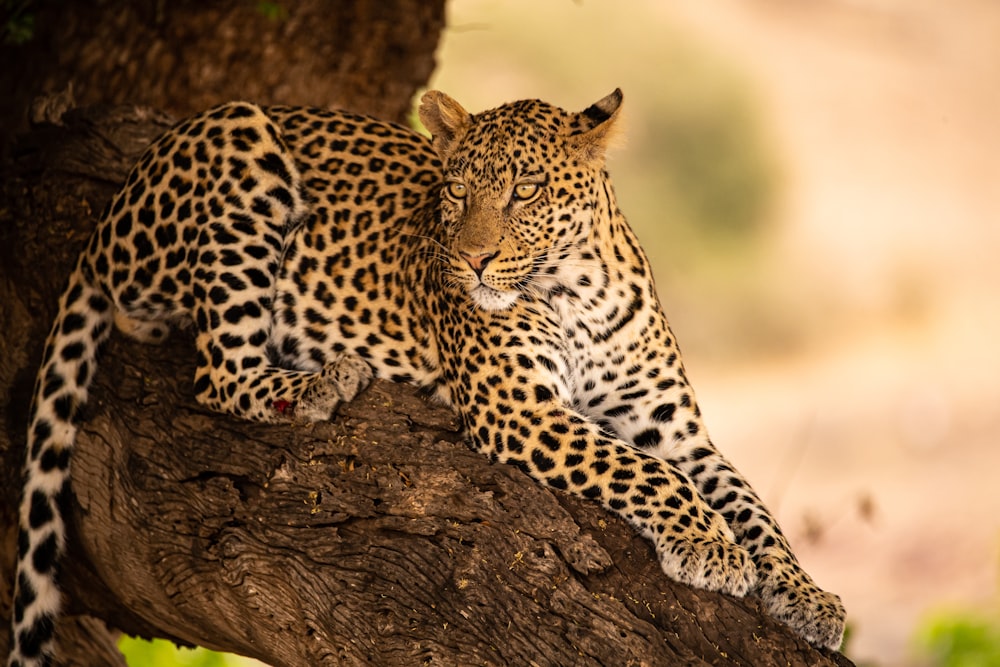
(520, 193)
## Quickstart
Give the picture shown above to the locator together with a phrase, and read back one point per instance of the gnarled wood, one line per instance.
(378, 538)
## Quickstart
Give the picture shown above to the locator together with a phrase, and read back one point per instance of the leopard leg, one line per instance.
(235, 375)
(537, 429)
(662, 418)
(243, 224)
(786, 589)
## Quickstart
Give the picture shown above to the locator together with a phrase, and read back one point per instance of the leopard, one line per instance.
(313, 250)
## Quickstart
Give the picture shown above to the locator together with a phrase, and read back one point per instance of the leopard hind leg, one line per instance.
(234, 289)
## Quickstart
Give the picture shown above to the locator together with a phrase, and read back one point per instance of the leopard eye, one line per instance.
(526, 191)
(456, 190)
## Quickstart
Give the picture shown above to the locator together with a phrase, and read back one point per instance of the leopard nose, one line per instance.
(478, 261)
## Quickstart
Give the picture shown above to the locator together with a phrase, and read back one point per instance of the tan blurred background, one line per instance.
(818, 186)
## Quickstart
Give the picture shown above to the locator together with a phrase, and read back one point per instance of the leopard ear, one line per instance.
(593, 129)
(446, 120)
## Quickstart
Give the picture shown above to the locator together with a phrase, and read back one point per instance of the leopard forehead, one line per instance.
(512, 139)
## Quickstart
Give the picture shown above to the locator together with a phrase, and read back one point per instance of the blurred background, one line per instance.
(817, 185)
(818, 188)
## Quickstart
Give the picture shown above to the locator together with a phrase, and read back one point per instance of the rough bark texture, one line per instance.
(187, 55)
(378, 538)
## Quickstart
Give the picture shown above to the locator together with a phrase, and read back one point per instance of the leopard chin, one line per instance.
(491, 299)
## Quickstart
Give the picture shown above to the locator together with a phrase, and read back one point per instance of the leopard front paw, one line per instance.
(790, 595)
(339, 382)
(710, 563)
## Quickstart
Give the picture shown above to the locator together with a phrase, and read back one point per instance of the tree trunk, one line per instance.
(377, 538)
(187, 55)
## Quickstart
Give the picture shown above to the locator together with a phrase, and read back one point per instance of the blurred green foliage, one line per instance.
(162, 653)
(712, 168)
(18, 21)
(963, 639)
(274, 11)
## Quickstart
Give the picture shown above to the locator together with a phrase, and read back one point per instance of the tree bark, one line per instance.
(377, 538)
(187, 55)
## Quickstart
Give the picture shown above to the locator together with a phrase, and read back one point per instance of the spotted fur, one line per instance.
(314, 249)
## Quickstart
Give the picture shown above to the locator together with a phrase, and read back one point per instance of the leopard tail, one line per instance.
(83, 323)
